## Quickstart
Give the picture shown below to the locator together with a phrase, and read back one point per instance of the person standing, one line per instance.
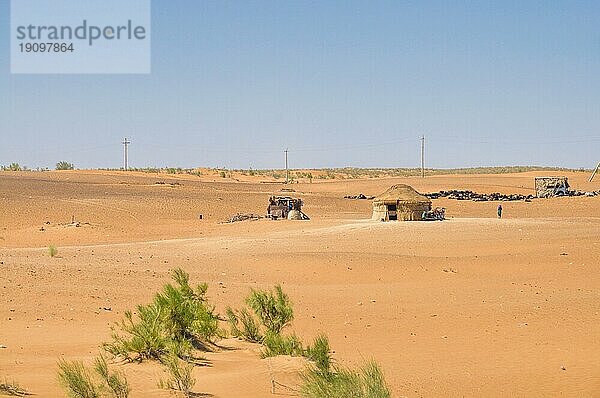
(499, 211)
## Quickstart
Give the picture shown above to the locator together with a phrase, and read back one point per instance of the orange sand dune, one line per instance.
(473, 306)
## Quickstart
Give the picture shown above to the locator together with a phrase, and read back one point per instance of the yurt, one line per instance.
(400, 202)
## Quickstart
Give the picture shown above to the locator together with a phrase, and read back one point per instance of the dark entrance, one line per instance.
(392, 212)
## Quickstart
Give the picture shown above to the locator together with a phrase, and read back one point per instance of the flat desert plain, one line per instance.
(472, 306)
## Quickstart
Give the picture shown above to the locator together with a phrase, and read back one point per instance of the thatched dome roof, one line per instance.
(401, 193)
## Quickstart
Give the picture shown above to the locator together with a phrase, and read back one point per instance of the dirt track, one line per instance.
(473, 306)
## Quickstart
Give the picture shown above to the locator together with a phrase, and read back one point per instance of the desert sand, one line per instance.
(472, 306)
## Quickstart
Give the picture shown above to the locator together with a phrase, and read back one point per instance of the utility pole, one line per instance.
(287, 174)
(594, 173)
(125, 143)
(423, 157)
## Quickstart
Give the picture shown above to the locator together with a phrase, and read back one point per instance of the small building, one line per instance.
(547, 187)
(400, 202)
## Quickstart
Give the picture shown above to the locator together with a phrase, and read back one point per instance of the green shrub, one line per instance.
(373, 381)
(180, 348)
(276, 344)
(145, 338)
(178, 320)
(273, 309)
(320, 353)
(115, 382)
(274, 312)
(77, 380)
(62, 165)
(52, 251)
(250, 330)
(234, 320)
(185, 312)
(367, 382)
(180, 376)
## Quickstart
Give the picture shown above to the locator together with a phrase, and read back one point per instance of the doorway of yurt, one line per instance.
(392, 213)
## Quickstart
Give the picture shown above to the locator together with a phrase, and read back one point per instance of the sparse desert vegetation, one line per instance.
(271, 312)
(339, 382)
(52, 251)
(178, 320)
(80, 381)
(322, 379)
(325, 379)
(344, 173)
(180, 377)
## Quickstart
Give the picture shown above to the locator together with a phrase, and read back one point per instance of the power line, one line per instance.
(357, 146)
(59, 151)
(505, 141)
(238, 149)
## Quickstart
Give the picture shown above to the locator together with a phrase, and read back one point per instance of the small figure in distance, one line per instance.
(500, 211)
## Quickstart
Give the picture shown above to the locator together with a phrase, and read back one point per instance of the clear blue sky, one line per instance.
(340, 83)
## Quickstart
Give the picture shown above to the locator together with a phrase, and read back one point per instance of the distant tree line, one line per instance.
(62, 165)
